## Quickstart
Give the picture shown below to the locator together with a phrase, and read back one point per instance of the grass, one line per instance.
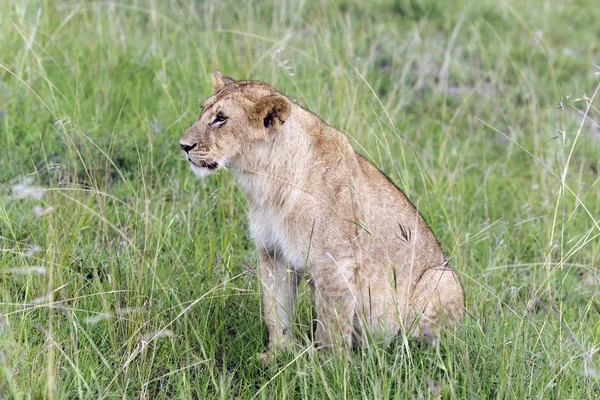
(486, 113)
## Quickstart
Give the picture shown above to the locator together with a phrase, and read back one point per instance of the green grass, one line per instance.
(471, 107)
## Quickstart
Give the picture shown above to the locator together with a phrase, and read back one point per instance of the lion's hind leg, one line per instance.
(437, 302)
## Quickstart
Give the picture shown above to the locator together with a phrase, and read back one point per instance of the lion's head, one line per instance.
(239, 114)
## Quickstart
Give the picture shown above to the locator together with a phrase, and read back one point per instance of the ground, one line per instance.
(123, 275)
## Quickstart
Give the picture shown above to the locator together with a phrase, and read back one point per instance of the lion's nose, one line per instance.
(187, 147)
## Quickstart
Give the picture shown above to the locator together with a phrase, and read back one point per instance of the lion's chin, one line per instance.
(203, 171)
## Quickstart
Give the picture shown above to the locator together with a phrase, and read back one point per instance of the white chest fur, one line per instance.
(270, 206)
(272, 231)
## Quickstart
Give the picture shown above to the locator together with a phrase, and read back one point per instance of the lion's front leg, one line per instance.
(336, 292)
(279, 289)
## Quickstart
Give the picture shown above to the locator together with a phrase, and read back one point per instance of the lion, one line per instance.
(320, 211)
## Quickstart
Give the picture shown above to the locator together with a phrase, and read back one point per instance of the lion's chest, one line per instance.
(277, 234)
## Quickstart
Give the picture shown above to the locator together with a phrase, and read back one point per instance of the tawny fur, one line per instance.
(320, 211)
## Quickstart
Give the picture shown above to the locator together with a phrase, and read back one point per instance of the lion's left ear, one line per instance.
(270, 111)
(218, 80)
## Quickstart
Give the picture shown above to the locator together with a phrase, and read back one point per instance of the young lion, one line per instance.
(319, 210)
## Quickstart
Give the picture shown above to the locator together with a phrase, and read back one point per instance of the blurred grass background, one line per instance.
(123, 275)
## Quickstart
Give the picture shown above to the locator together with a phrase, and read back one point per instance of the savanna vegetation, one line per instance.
(122, 275)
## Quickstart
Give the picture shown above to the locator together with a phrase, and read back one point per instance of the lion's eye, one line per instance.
(219, 119)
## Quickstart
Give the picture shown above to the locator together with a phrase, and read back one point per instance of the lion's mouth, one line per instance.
(204, 164)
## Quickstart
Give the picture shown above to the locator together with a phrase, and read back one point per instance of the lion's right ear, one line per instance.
(218, 80)
(270, 111)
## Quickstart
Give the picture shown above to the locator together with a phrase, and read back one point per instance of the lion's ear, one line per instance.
(218, 80)
(270, 111)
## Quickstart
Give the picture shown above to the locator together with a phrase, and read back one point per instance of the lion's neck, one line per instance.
(272, 172)
(275, 173)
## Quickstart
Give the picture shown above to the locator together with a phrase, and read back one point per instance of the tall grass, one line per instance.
(122, 275)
